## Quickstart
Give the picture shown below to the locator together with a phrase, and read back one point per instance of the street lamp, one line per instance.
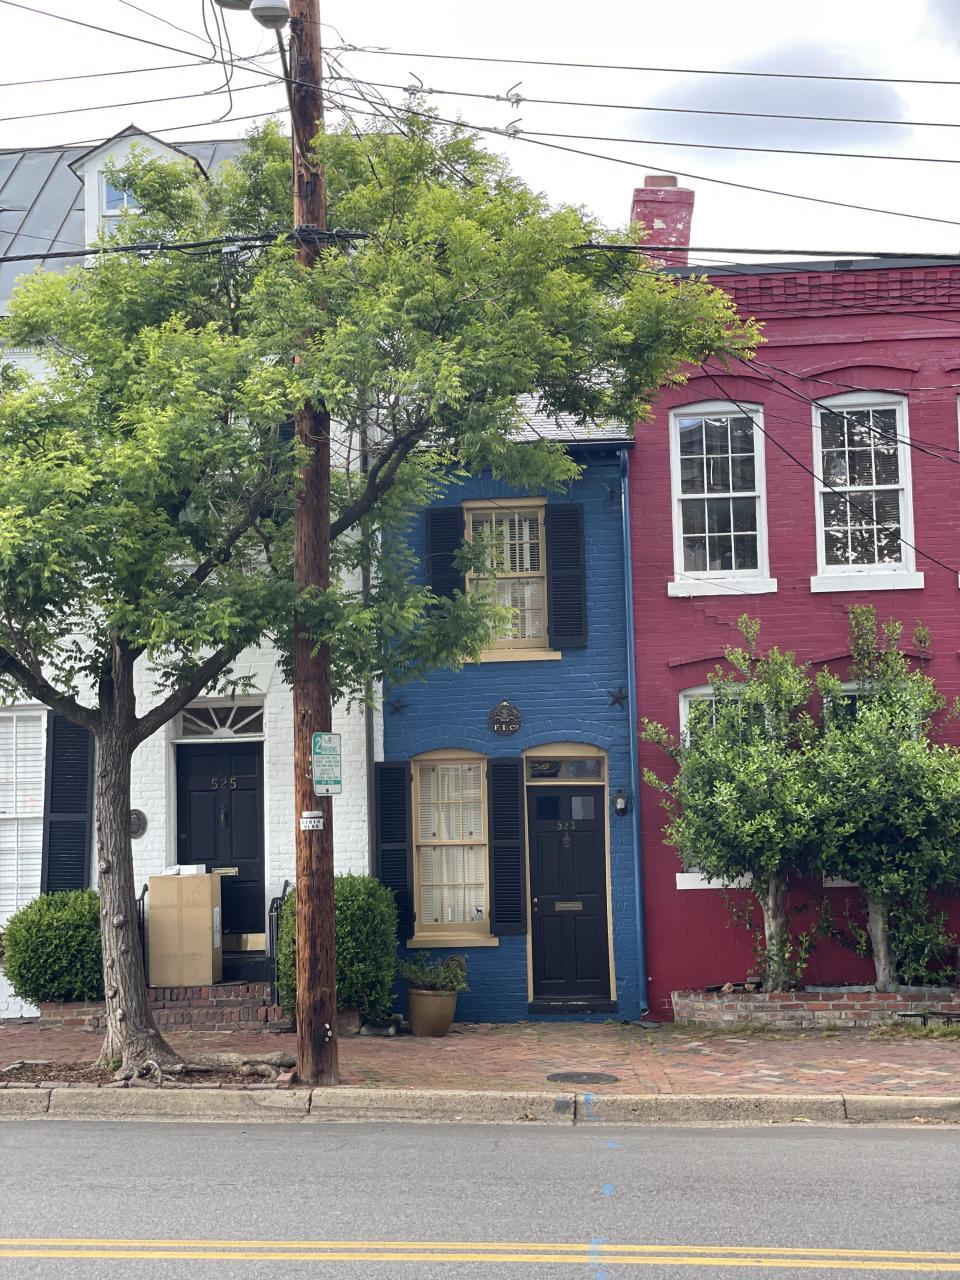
(273, 14)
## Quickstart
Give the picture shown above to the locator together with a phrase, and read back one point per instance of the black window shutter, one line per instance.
(508, 889)
(68, 807)
(566, 577)
(395, 839)
(444, 539)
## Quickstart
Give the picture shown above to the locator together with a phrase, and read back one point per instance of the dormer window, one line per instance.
(114, 202)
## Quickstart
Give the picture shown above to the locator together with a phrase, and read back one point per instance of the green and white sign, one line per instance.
(325, 764)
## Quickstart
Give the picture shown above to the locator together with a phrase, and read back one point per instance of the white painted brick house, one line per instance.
(54, 200)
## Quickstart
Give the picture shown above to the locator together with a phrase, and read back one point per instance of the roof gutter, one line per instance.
(633, 727)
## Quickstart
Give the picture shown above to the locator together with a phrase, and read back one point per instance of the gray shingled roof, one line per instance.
(41, 203)
(550, 426)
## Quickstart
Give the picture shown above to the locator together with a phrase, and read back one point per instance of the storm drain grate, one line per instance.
(583, 1077)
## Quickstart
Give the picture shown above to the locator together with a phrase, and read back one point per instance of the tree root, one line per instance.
(265, 1065)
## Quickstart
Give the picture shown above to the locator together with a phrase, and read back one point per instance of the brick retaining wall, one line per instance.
(789, 1010)
(228, 1005)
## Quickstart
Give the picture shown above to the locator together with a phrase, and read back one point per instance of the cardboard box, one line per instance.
(185, 931)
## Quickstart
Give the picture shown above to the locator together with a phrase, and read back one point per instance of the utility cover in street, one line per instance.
(325, 762)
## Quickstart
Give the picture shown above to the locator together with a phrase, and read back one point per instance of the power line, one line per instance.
(517, 99)
(136, 102)
(184, 31)
(91, 26)
(893, 254)
(729, 146)
(99, 75)
(852, 506)
(648, 164)
(674, 71)
(921, 446)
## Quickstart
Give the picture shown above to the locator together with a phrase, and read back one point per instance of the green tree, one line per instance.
(892, 797)
(147, 480)
(744, 799)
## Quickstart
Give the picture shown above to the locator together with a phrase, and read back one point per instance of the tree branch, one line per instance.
(158, 716)
(35, 682)
(379, 479)
(254, 509)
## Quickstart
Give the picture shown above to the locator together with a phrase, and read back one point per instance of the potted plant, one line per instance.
(432, 986)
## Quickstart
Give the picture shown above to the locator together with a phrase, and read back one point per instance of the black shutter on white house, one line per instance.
(508, 895)
(395, 839)
(444, 539)
(68, 807)
(566, 577)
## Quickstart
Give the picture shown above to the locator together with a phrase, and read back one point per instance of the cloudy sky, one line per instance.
(894, 41)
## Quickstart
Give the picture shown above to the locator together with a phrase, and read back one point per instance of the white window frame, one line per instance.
(456, 933)
(719, 582)
(26, 878)
(902, 577)
(692, 879)
(110, 218)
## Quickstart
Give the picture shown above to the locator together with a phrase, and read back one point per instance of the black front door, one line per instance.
(220, 823)
(568, 891)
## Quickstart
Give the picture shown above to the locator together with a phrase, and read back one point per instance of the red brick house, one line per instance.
(726, 522)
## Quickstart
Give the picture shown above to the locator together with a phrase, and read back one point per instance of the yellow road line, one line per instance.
(526, 1256)
(497, 1246)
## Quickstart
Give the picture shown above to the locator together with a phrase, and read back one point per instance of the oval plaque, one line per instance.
(504, 719)
(138, 824)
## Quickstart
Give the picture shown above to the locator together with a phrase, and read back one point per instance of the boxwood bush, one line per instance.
(52, 948)
(366, 933)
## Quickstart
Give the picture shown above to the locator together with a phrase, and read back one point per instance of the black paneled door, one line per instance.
(220, 823)
(568, 894)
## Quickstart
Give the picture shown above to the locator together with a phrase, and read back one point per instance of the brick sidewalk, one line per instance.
(522, 1055)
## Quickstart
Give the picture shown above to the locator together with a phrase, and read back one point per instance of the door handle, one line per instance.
(223, 815)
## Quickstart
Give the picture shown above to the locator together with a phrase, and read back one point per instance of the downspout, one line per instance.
(634, 725)
(369, 754)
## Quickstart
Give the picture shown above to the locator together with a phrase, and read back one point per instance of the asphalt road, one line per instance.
(278, 1201)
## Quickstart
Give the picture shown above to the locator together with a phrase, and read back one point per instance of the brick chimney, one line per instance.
(666, 211)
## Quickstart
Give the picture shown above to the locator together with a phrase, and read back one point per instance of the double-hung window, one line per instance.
(719, 508)
(113, 204)
(513, 538)
(864, 509)
(21, 807)
(450, 869)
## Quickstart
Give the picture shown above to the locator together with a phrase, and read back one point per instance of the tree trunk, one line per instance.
(776, 933)
(132, 1037)
(878, 926)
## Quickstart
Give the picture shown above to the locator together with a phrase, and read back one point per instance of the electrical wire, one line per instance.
(729, 146)
(99, 75)
(852, 506)
(648, 164)
(516, 99)
(136, 102)
(184, 31)
(673, 71)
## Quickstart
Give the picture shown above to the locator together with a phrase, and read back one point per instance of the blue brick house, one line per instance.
(506, 818)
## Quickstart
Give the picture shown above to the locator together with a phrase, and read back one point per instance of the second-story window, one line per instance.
(514, 540)
(861, 453)
(719, 518)
(114, 203)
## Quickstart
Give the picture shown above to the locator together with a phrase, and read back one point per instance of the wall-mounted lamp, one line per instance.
(621, 805)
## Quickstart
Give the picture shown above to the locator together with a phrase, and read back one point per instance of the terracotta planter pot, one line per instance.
(431, 1012)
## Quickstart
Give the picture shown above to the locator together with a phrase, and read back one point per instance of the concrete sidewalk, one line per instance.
(521, 1058)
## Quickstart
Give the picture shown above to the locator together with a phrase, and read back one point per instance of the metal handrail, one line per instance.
(142, 923)
(273, 935)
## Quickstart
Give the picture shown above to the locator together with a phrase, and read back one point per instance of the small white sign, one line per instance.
(325, 761)
(311, 821)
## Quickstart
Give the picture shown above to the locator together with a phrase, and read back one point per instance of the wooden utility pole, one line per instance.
(317, 1055)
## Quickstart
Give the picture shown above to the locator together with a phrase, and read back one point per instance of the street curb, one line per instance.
(347, 1103)
(178, 1104)
(467, 1107)
(710, 1108)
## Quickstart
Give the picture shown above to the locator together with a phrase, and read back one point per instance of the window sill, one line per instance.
(694, 880)
(424, 941)
(521, 655)
(883, 580)
(733, 585)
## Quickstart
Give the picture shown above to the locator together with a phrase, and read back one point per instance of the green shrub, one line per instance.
(52, 948)
(366, 933)
(433, 973)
